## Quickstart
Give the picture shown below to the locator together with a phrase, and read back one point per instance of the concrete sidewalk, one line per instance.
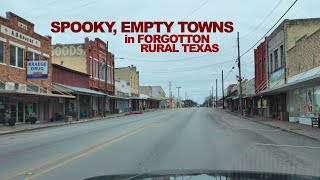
(5, 129)
(297, 128)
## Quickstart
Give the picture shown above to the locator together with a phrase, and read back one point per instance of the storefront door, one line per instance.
(20, 112)
(13, 110)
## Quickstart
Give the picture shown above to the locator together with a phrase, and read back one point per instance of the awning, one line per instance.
(29, 93)
(118, 97)
(77, 90)
(299, 83)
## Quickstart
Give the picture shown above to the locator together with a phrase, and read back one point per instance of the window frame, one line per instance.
(3, 51)
(276, 58)
(16, 54)
(271, 62)
(96, 69)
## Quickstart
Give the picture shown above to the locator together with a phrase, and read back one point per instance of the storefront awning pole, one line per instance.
(57, 89)
(37, 85)
(20, 83)
(8, 85)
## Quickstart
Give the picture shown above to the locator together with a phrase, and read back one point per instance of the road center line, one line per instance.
(95, 147)
(287, 145)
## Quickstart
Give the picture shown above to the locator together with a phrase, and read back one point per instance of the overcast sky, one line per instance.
(195, 76)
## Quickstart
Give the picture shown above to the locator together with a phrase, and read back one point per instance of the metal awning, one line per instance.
(299, 83)
(118, 97)
(12, 92)
(77, 90)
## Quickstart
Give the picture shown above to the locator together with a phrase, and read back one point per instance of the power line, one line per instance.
(263, 20)
(270, 28)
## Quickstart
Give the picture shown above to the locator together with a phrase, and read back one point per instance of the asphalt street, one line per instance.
(178, 139)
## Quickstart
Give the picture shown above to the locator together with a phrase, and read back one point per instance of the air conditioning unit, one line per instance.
(22, 87)
(9, 86)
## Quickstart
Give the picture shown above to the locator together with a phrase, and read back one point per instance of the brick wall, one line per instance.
(19, 74)
(260, 73)
(63, 75)
(304, 55)
(97, 49)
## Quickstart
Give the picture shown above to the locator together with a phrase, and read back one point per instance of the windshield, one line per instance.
(120, 89)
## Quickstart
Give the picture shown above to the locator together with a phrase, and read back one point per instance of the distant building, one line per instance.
(123, 88)
(155, 92)
(131, 75)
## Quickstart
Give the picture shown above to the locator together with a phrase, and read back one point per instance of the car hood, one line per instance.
(194, 175)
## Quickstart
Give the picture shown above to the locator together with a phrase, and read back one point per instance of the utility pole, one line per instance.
(170, 94)
(222, 91)
(240, 77)
(212, 96)
(105, 81)
(216, 93)
(178, 95)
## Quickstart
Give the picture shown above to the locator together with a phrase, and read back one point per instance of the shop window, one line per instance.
(4, 106)
(316, 100)
(45, 90)
(32, 88)
(2, 86)
(16, 56)
(16, 86)
(1, 52)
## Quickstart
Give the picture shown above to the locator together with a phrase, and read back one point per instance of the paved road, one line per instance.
(179, 139)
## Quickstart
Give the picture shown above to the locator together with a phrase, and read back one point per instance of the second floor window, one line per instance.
(276, 63)
(16, 56)
(90, 67)
(281, 55)
(1, 52)
(96, 69)
(33, 56)
(271, 63)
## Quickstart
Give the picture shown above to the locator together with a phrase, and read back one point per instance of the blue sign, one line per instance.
(37, 69)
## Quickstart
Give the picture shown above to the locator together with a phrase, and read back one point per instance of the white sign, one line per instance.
(20, 36)
(37, 69)
(68, 50)
(23, 26)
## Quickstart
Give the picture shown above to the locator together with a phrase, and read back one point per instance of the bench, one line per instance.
(315, 121)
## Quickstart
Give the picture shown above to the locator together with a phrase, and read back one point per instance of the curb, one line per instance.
(286, 130)
(64, 124)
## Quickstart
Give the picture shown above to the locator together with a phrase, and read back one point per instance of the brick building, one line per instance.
(75, 78)
(260, 78)
(279, 42)
(88, 102)
(260, 74)
(90, 57)
(21, 48)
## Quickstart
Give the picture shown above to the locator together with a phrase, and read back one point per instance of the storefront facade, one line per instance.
(26, 71)
(303, 104)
